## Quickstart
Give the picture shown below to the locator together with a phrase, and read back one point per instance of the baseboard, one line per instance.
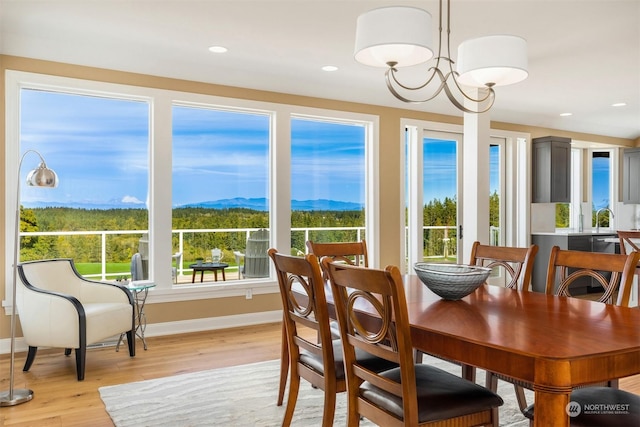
(178, 327)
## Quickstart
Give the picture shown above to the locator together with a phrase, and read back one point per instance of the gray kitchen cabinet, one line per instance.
(631, 176)
(551, 166)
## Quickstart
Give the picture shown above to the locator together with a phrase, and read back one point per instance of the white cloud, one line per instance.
(131, 199)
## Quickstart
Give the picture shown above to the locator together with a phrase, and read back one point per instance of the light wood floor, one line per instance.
(60, 400)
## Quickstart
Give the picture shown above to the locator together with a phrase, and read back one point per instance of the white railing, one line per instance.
(448, 247)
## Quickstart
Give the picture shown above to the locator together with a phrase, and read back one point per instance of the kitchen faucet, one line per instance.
(598, 215)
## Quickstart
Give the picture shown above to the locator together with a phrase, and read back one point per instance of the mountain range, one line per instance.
(258, 204)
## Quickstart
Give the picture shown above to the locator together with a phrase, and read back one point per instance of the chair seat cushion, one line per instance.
(375, 364)
(441, 395)
(107, 319)
(602, 407)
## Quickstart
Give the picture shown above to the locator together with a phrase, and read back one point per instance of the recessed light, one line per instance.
(329, 68)
(217, 49)
(619, 104)
(566, 114)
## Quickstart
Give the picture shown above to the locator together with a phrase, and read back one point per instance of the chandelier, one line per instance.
(400, 36)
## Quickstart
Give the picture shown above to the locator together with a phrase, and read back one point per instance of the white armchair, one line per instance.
(60, 308)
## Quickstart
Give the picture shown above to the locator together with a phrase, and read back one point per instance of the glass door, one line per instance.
(433, 194)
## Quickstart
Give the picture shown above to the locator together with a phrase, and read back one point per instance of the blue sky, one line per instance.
(440, 169)
(99, 148)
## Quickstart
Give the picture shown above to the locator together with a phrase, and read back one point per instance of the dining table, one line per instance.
(556, 343)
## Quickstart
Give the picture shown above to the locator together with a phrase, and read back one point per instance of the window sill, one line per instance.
(196, 291)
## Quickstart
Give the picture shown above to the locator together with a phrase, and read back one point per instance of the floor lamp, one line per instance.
(39, 177)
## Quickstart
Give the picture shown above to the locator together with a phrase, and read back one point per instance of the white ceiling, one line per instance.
(584, 55)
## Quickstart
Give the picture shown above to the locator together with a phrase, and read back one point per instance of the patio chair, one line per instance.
(137, 270)
(254, 263)
(177, 258)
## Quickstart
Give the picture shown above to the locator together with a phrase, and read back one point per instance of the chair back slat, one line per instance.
(629, 241)
(614, 272)
(382, 291)
(353, 253)
(516, 263)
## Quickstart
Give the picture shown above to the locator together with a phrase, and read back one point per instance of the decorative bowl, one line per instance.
(451, 281)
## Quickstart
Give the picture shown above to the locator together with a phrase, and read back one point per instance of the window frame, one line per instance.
(160, 151)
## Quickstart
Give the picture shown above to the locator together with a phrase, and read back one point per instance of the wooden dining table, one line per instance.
(555, 343)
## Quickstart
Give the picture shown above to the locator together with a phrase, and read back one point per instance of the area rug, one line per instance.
(241, 396)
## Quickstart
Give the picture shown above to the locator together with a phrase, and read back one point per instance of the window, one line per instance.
(327, 181)
(220, 183)
(142, 158)
(601, 188)
(99, 147)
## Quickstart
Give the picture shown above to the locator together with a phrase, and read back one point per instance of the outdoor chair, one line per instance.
(60, 308)
(137, 271)
(254, 263)
(175, 270)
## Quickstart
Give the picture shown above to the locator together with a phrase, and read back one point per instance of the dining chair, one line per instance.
(306, 314)
(413, 394)
(630, 241)
(354, 253)
(349, 252)
(515, 265)
(614, 273)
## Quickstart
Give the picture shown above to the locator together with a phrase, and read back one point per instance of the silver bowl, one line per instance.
(451, 281)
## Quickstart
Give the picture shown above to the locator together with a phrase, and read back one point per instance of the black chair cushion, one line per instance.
(601, 407)
(441, 395)
(375, 364)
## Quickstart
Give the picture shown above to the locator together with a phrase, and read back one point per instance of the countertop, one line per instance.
(577, 233)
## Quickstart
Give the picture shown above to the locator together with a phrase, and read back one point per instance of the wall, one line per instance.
(391, 185)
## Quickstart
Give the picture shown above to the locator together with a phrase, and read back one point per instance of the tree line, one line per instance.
(120, 247)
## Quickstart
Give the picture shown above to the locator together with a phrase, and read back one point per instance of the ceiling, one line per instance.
(584, 55)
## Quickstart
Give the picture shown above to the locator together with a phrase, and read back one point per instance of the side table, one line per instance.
(139, 290)
(208, 266)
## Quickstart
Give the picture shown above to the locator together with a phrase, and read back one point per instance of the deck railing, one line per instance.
(440, 242)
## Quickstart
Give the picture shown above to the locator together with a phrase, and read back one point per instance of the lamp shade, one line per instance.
(492, 61)
(400, 35)
(42, 176)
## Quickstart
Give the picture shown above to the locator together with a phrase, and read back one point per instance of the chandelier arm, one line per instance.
(461, 107)
(395, 93)
(390, 74)
(489, 94)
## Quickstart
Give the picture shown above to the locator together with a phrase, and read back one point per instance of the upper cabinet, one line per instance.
(551, 166)
(631, 176)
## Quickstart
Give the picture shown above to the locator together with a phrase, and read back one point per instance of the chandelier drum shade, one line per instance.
(394, 34)
(400, 36)
(492, 60)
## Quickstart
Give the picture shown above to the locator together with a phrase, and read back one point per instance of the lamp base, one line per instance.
(20, 395)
